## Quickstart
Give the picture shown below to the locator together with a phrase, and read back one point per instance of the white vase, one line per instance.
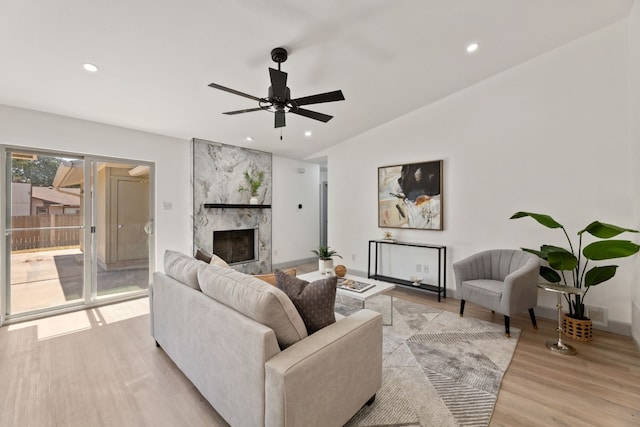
(325, 266)
(253, 201)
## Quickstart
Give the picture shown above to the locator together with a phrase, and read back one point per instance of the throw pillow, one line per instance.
(203, 255)
(218, 262)
(314, 301)
(271, 277)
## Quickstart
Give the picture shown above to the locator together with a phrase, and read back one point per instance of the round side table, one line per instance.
(559, 346)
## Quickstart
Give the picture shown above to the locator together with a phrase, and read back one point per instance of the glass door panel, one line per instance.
(45, 231)
(122, 223)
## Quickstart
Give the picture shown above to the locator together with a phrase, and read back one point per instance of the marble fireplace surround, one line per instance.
(217, 173)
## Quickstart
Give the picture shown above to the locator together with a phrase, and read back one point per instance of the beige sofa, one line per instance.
(242, 343)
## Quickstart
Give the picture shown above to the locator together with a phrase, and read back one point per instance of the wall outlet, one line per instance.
(167, 206)
(275, 252)
(425, 268)
(599, 315)
(353, 257)
(418, 268)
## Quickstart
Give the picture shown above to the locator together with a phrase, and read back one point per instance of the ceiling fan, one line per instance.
(279, 99)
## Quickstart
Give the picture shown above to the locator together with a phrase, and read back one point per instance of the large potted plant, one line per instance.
(325, 260)
(560, 260)
(254, 182)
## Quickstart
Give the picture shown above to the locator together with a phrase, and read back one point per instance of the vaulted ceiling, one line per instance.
(156, 58)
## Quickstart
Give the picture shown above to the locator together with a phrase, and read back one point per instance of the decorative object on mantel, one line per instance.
(254, 181)
(410, 196)
(340, 270)
(561, 260)
(325, 261)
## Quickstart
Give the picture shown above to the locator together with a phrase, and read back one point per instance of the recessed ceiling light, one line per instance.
(472, 47)
(307, 133)
(90, 67)
(249, 138)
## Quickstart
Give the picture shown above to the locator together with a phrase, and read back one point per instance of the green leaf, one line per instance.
(597, 275)
(533, 251)
(562, 260)
(608, 249)
(549, 274)
(543, 219)
(605, 231)
(546, 249)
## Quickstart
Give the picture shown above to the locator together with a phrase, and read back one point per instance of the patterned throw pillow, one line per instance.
(314, 301)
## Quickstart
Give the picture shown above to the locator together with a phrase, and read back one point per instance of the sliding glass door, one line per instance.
(45, 232)
(123, 227)
(77, 231)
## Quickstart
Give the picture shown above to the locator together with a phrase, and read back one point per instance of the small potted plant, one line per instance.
(561, 260)
(254, 182)
(325, 260)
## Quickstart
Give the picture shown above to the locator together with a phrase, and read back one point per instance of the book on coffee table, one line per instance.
(354, 286)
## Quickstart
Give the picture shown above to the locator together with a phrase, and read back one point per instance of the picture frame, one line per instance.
(410, 196)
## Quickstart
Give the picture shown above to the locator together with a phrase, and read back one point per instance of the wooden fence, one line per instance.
(47, 238)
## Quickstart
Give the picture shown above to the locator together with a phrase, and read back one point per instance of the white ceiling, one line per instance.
(156, 58)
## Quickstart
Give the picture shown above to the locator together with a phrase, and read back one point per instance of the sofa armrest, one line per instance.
(327, 377)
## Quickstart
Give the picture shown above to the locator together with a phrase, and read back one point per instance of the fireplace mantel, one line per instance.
(234, 206)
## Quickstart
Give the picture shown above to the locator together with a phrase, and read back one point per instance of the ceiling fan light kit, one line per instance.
(278, 100)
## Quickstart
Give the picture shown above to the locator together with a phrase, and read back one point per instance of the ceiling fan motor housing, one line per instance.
(279, 55)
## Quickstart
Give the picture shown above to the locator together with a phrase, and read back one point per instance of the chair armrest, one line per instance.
(324, 379)
(521, 288)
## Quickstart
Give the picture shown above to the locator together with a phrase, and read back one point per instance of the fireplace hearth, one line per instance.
(235, 246)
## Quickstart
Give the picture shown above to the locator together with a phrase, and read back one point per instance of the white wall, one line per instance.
(549, 135)
(634, 137)
(295, 231)
(19, 127)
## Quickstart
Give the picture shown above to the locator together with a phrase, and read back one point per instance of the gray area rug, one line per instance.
(438, 369)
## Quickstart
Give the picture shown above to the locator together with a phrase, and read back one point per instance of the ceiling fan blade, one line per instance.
(233, 91)
(311, 114)
(336, 95)
(248, 110)
(278, 84)
(280, 120)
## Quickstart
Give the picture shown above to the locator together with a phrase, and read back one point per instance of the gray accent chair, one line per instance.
(502, 280)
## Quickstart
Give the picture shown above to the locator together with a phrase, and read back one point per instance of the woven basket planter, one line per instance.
(579, 330)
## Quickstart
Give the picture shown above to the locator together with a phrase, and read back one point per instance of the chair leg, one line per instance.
(533, 318)
(506, 327)
(461, 307)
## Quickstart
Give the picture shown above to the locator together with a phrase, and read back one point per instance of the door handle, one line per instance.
(120, 226)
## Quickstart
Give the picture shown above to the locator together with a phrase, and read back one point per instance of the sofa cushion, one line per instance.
(255, 299)
(315, 301)
(203, 256)
(183, 268)
(271, 277)
(219, 262)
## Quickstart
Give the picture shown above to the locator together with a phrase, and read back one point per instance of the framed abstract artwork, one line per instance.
(410, 196)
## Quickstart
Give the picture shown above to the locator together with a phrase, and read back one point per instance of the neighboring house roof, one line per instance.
(55, 196)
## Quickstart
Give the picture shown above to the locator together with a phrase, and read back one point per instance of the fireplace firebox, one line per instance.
(235, 246)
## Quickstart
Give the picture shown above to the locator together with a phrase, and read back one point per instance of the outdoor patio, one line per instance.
(48, 278)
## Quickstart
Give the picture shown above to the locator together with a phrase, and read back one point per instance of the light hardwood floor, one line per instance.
(100, 367)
